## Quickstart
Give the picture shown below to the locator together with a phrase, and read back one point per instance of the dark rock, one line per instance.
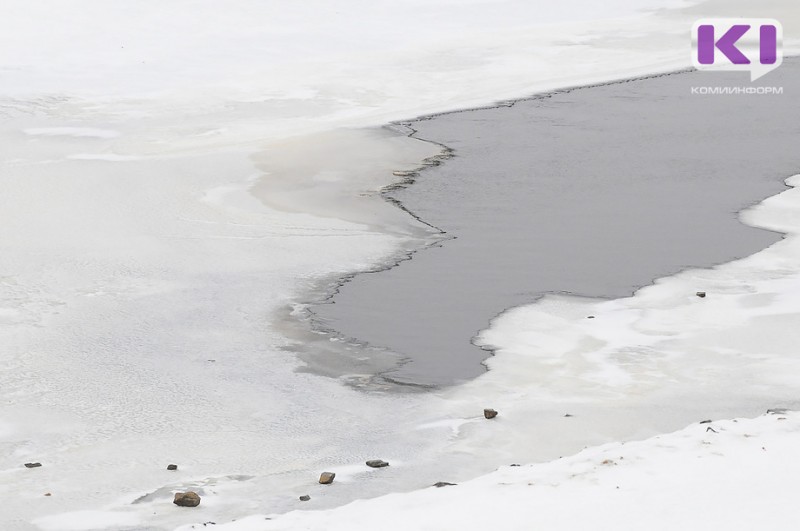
(32, 465)
(47, 494)
(590, 317)
(305, 497)
(706, 421)
(514, 464)
(489, 413)
(172, 467)
(441, 484)
(701, 294)
(377, 463)
(567, 415)
(186, 499)
(708, 429)
(326, 478)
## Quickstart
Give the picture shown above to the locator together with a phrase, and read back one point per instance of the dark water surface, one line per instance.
(594, 191)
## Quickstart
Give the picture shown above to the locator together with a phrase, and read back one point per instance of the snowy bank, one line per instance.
(732, 475)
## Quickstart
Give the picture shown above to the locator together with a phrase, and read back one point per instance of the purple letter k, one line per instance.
(726, 44)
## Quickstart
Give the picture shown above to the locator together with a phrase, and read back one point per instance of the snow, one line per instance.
(724, 475)
(87, 520)
(72, 131)
(261, 70)
(108, 157)
(177, 175)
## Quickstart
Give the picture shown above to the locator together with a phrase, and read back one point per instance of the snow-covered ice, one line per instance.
(72, 131)
(725, 475)
(140, 277)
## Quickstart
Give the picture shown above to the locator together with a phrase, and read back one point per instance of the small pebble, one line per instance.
(32, 465)
(701, 294)
(172, 467)
(377, 463)
(489, 413)
(441, 484)
(326, 478)
(305, 497)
